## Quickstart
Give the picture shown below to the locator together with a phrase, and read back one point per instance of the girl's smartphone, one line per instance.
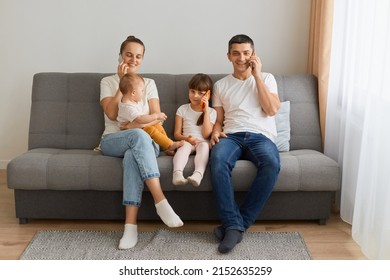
(120, 59)
(208, 97)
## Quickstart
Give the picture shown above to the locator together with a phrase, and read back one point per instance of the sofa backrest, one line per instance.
(66, 111)
(302, 92)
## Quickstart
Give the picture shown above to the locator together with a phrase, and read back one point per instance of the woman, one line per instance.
(135, 146)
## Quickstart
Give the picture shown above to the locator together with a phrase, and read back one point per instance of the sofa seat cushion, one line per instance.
(58, 169)
(308, 170)
(301, 170)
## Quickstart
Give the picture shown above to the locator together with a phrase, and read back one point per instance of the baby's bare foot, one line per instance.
(170, 153)
(175, 145)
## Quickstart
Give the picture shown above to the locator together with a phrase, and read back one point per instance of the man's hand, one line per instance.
(214, 139)
(256, 65)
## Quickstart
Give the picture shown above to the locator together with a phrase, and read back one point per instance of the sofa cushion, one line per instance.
(57, 169)
(282, 120)
(302, 92)
(65, 111)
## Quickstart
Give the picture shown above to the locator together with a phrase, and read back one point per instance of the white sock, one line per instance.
(129, 238)
(167, 215)
(178, 178)
(195, 178)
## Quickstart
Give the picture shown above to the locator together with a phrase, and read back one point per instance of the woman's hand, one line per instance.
(129, 125)
(161, 116)
(122, 69)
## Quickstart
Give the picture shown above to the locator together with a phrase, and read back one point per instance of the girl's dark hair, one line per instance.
(131, 39)
(201, 82)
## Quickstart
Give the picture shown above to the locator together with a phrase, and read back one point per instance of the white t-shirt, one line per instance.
(108, 87)
(129, 111)
(241, 105)
(190, 117)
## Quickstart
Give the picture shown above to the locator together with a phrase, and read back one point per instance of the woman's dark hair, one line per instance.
(131, 39)
(240, 39)
(201, 82)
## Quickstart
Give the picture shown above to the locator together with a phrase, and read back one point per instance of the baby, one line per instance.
(131, 110)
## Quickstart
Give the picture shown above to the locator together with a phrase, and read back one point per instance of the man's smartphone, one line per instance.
(251, 64)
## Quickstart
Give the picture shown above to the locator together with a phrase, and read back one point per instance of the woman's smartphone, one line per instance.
(120, 59)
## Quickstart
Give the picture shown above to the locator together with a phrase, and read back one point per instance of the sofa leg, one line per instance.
(322, 222)
(23, 221)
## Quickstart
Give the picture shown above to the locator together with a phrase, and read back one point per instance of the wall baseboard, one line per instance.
(3, 164)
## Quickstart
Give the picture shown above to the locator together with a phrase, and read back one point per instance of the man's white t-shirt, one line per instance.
(241, 105)
(108, 87)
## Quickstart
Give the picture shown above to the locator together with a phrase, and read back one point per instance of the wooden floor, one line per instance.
(330, 242)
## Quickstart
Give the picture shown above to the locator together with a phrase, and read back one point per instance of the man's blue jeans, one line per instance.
(265, 156)
(139, 160)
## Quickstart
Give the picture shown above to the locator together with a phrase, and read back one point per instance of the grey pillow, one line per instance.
(282, 119)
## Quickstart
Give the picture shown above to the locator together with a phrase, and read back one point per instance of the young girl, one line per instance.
(194, 123)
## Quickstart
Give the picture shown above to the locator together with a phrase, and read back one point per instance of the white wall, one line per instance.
(181, 36)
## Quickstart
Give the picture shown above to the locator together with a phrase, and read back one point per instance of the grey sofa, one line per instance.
(62, 177)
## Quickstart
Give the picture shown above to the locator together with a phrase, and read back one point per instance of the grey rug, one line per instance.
(164, 245)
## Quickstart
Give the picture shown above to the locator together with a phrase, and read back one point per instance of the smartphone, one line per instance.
(251, 64)
(208, 97)
(120, 59)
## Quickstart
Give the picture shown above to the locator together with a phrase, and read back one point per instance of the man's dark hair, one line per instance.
(240, 39)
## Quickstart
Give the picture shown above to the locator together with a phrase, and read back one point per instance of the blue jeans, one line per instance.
(139, 160)
(262, 152)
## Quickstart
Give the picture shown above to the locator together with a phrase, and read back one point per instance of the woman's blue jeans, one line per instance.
(139, 160)
(265, 156)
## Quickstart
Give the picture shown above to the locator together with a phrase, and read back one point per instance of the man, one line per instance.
(246, 102)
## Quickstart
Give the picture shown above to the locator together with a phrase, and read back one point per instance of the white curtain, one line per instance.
(358, 119)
